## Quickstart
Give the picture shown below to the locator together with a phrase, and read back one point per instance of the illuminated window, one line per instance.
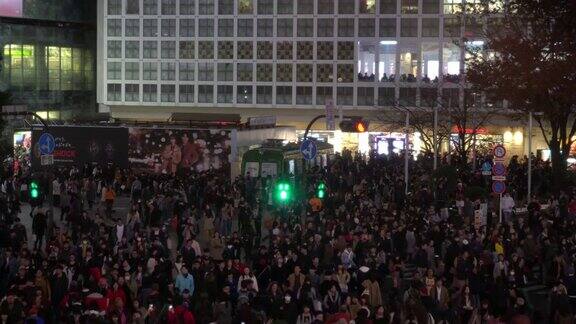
(53, 57)
(409, 6)
(367, 6)
(245, 7)
(244, 94)
(452, 6)
(408, 63)
(451, 61)
(430, 62)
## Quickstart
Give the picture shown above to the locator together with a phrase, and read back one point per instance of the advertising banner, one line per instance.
(168, 150)
(77, 145)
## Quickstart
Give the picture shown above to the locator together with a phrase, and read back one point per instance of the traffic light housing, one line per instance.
(354, 125)
(321, 190)
(283, 191)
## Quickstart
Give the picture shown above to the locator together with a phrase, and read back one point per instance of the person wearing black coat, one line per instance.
(39, 225)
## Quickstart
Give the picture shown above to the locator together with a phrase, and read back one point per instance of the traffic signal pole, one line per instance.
(312, 123)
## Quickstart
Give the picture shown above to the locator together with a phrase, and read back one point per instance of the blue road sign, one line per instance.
(498, 187)
(499, 169)
(46, 144)
(486, 168)
(308, 149)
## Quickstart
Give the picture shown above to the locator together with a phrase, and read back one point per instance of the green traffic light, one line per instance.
(283, 191)
(34, 192)
(321, 190)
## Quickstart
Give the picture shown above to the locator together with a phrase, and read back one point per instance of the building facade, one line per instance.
(287, 58)
(278, 54)
(48, 52)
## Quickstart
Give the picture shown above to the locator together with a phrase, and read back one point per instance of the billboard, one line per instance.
(11, 8)
(169, 150)
(77, 145)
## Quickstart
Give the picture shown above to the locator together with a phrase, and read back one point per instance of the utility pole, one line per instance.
(406, 153)
(435, 137)
(529, 157)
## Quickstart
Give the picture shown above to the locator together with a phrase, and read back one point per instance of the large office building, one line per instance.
(286, 58)
(48, 52)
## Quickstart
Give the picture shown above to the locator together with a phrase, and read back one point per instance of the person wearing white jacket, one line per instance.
(507, 206)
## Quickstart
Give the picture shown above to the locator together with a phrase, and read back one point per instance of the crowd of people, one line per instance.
(200, 248)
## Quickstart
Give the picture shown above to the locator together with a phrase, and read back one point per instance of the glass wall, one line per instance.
(408, 63)
(430, 62)
(49, 67)
(366, 62)
(387, 62)
(451, 62)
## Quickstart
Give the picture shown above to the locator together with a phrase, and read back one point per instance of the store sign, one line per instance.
(469, 131)
(262, 121)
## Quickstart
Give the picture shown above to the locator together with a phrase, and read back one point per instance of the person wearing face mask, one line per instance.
(185, 281)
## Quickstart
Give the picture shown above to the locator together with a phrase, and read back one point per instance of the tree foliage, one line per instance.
(529, 61)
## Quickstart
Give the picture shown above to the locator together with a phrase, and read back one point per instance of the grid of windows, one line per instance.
(298, 49)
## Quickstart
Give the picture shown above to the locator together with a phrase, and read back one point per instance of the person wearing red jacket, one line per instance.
(116, 292)
(180, 315)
